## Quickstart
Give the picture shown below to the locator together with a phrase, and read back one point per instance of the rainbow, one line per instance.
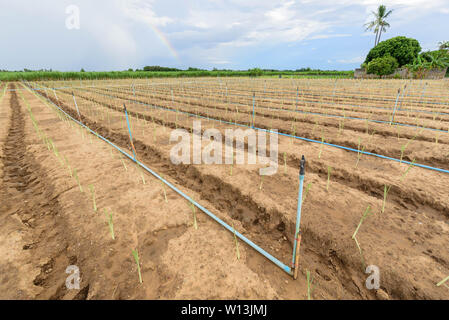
(165, 41)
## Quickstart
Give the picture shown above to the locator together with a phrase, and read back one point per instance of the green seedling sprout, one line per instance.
(75, 174)
(236, 243)
(321, 147)
(136, 258)
(365, 215)
(443, 282)
(386, 190)
(408, 169)
(309, 285)
(92, 192)
(124, 165)
(403, 147)
(110, 223)
(329, 171)
(359, 153)
(309, 185)
(163, 188)
(142, 175)
(68, 166)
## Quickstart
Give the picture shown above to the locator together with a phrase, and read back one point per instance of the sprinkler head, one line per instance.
(303, 166)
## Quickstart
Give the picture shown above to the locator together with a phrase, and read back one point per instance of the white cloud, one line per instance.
(142, 10)
(358, 59)
(211, 32)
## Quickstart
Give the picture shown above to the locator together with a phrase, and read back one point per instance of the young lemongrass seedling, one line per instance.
(443, 282)
(403, 147)
(124, 165)
(68, 165)
(408, 169)
(55, 151)
(47, 142)
(365, 215)
(236, 243)
(293, 132)
(136, 258)
(195, 222)
(163, 188)
(141, 174)
(359, 153)
(386, 190)
(329, 171)
(92, 192)
(110, 223)
(321, 146)
(309, 185)
(75, 174)
(309, 285)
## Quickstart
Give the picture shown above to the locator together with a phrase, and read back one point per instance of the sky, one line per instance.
(104, 35)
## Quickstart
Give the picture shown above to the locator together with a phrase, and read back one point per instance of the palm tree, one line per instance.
(379, 23)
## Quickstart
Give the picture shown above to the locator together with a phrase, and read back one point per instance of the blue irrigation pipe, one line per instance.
(374, 98)
(326, 114)
(297, 242)
(270, 257)
(292, 136)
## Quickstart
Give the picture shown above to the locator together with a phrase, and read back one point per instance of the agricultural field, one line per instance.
(375, 190)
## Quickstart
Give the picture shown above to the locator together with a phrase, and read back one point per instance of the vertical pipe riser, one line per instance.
(297, 241)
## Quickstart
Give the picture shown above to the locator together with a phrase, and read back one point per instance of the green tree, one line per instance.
(403, 49)
(382, 66)
(256, 72)
(379, 24)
